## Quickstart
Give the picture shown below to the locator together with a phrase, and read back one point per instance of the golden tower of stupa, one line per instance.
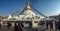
(28, 6)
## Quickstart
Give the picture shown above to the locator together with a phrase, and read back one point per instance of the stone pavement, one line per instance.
(4, 28)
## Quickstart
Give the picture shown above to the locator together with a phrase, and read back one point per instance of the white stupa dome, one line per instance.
(29, 12)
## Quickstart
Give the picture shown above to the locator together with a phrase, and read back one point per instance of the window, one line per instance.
(35, 21)
(14, 18)
(28, 18)
(10, 19)
(38, 17)
(32, 17)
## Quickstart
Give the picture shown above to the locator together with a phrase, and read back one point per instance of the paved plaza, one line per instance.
(4, 28)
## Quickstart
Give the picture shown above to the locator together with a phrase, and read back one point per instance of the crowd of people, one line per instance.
(57, 25)
(50, 26)
(16, 26)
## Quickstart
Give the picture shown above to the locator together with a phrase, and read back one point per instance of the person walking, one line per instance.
(8, 24)
(47, 25)
(20, 28)
(59, 26)
(51, 26)
(56, 26)
(0, 25)
(30, 25)
(15, 27)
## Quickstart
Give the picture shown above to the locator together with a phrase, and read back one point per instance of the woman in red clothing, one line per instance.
(20, 28)
(51, 26)
(15, 27)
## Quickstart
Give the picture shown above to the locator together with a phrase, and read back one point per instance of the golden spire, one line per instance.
(28, 6)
